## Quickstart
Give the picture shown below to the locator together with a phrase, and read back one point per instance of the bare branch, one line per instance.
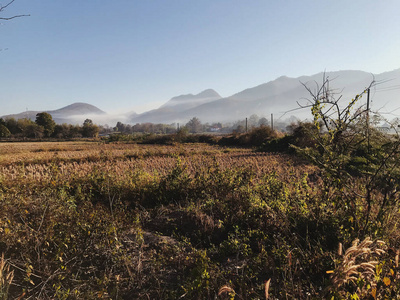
(3, 7)
(17, 16)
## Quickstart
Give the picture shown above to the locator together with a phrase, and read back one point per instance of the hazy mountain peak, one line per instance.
(283, 77)
(78, 108)
(184, 102)
(208, 93)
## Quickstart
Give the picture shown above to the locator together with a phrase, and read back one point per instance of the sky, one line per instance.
(131, 55)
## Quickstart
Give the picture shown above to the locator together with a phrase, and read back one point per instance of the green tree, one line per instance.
(45, 120)
(27, 128)
(34, 131)
(62, 131)
(4, 132)
(12, 125)
(89, 129)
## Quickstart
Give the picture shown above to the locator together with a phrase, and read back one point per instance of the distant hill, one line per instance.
(73, 114)
(77, 109)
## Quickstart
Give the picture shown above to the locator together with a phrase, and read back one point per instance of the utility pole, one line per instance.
(368, 119)
(246, 125)
(272, 121)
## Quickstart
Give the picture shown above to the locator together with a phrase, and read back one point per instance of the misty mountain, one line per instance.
(78, 109)
(170, 111)
(282, 97)
(75, 113)
(184, 102)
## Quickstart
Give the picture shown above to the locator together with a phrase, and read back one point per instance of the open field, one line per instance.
(85, 220)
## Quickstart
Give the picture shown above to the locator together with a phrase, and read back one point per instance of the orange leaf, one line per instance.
(386, 281)
(373, 293)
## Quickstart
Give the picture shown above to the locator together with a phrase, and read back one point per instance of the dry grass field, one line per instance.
(86, 220)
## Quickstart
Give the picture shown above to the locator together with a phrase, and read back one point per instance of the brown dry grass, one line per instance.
(34, 161)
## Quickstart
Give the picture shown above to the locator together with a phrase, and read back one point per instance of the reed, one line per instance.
(6, 278)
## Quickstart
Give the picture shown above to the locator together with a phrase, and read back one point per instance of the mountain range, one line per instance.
(282, 97)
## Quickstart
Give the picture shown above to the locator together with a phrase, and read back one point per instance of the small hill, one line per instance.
(77, 109)
(74, 113)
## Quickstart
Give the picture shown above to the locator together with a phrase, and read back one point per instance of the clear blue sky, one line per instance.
(133, 55)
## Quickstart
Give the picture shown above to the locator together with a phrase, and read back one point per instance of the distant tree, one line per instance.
(263, 122)
(75, 131)
(88, 122)
(253, 120)
(171, 128)
(45, 120)
(194, 125)
(25, 128)
(33, 130)
(89, 129)
(120, 127)
(239, 126)
(62, 131)
(12, 126)
(124, 128)
(240, 129)
(105, 129)
(4, 132)
(181, 133)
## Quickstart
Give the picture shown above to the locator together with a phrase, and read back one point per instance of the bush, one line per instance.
(256, 137)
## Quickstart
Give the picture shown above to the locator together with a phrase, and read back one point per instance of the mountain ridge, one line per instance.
(281, 96)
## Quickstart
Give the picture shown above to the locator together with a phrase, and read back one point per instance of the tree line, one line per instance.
(45, 127)
(194, 125)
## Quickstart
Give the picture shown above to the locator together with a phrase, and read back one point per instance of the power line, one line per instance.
(389, 88)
